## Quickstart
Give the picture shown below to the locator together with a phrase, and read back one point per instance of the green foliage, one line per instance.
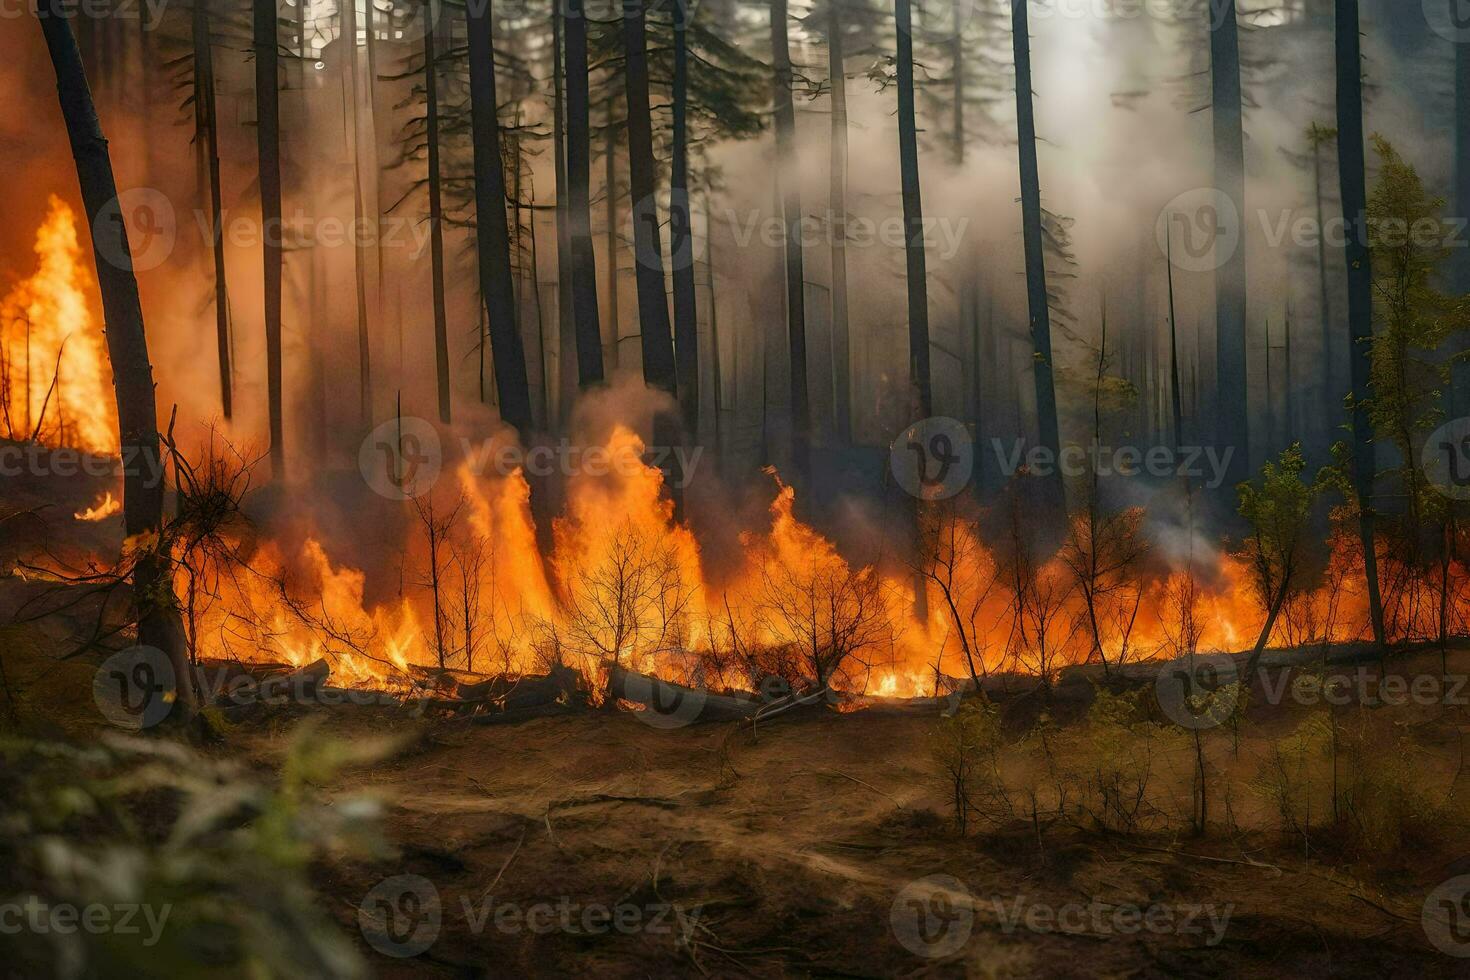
(1114, 759)
(1294, 778)
(1278, 508)
(965, 749)
(215, 857)
(1409, 238)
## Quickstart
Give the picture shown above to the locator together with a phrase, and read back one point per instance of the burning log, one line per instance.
(679, 704)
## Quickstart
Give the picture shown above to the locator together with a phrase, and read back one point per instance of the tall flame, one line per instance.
(54, 378)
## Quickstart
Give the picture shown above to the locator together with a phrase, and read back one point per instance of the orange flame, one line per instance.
(55, 384)
(101, 510)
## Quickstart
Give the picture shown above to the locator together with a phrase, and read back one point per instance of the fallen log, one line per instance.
(675, 704)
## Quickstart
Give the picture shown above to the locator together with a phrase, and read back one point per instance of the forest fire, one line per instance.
(734, 488)
(625, 583)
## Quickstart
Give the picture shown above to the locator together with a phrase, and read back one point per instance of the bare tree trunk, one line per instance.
(436, 220)
(1460, 263)
(681, 237)
(159, 623)
(653, 307)
(566, 382)
(206, 126)
(579, 155)
(1232, 404)
(268, 151)
(1352, 169)
(359, 214)
(1053, 497)
(789, 180)
(610, 192)
(837, 204)
(492, 237)
(913, 219)
(657, 342)
(1331, 377)
(1176, 399)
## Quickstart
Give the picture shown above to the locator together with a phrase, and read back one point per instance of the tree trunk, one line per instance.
(436, 221)
(1232, 404)
(920, 382)
(837, 204)
(566, 384)
(268, 151)
(610, 192)
(657, 342)
(681, 235)
(159, 623)
(789, 180)
(491, 235)
(1176, 399)
(579, 156)
(1352, 170)
(1331, 376)
(1460, 263)
(359, 214)
(206, 127)
(1053, 498)
(913, 219)
(653, 308)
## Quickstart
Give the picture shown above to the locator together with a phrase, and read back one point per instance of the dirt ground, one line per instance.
(807, 850)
